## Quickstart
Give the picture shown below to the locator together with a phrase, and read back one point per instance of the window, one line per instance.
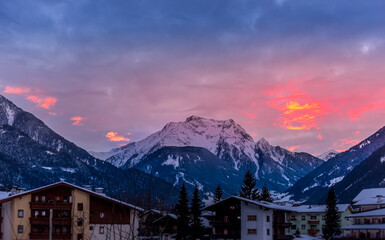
(303, 217)
(20, 229)
(101, 230)
(101, 214)
(251, 217)
(303, 227)
(313, 217)
(20, 213)
(36, 213)
(80, 237)
(267, 218)
(268, 232)
(57, 198)
(226, 219)
(65, 229)
(36, 198)
(35, 229)
(43, 199)
(80, 222)
(225, 232)
(70, 199)
(80, 206)
(91, 228)
(65, 199)
(43, 213)
(323, 217)
(293, 227)
(57, 229)
(251, 231)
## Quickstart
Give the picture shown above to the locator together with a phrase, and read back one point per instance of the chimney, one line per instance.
(379, 198)
(99, 190)
(88, 187)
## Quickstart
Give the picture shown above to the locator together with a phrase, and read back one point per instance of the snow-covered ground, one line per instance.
(307, 237)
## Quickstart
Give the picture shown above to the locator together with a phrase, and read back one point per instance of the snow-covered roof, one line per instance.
(372, 213)
(370, 201)
(255, 202)
(318, 208)
(4, 195)
(101, 195)
(369, 193)
(364, 227)
(170, 215)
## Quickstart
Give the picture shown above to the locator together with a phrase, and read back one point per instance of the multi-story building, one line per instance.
(66, 211)
(310, 219)
(370, 199)
(369, 221)
(241, 218)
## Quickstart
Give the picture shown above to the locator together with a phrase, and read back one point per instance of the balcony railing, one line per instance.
(41, 236)
(51, 205)
(313, 231)
(313, 222)
(55, 221)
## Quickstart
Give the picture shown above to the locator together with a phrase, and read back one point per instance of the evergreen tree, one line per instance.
(218, 194)
(182, 212)
(265, 194)
(248, 190)
(196, 221)
(332, 217)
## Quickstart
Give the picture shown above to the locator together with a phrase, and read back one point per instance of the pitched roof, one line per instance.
(318, 208)
(259, 203)
(99, 195)
(364, 227)
(372, 213)
(369, 193)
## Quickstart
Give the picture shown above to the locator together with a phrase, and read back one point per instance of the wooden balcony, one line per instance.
(41, 236)
(50, 205)
(55, 221)
(313, 232)
(313, 222)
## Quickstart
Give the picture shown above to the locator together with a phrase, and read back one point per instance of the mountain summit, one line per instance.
(230, 144)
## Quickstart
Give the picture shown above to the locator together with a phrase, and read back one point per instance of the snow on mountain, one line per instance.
(313, 187)
(327, 155)
(226, 140)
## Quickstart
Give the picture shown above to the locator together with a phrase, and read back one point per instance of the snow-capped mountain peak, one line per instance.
(327, 155)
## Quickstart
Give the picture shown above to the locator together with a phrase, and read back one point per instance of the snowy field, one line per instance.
(307, 237)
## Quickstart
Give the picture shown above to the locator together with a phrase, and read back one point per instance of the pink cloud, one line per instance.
(113, 137)
(319, 136)
(293, 148)
(46, 103)
(16, 90)
(77, 121)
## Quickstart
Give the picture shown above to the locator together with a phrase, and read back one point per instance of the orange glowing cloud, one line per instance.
(319, 136)
(46, 103)
(113, 137)
(298, 111)
(77, 121)
(293, 148)
(16, 90)
(250, 115)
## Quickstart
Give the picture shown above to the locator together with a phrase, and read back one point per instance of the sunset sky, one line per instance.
(305, 75)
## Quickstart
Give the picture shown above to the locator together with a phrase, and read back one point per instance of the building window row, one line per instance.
(251, 218)
(251, 231)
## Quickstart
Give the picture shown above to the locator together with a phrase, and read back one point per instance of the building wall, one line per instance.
(21, 203)
(115, 231)
(261, 224)
(80, 197)
(7, 220)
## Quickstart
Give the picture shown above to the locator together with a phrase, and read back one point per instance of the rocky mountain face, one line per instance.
(313, 187)
(32, 155)
(230, 147)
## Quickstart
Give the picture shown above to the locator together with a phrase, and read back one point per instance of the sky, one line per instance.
(305, 75)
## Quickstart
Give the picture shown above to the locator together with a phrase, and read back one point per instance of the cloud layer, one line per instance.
(299, 73)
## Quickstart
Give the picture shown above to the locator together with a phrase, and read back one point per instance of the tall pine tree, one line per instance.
(248, 188)
(332, 217)
(182, 211)
(218, 194)
(196, 221)
(265, 195)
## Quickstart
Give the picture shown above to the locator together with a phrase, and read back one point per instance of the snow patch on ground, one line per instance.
(71, 170)
(382, 159)
(47, 168)
(306, 237)
(50, 153)
(10, 114)
(364, 143)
